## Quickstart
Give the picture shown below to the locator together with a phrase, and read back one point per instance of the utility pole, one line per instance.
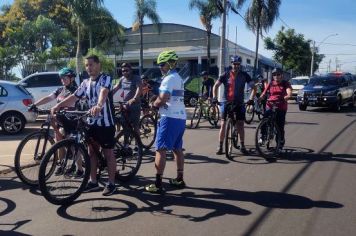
(222, 48)
(329, 66)
(336, 61)
(312, 60)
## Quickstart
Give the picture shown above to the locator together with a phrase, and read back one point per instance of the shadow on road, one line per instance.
(6, 206)
(12, 232)
(191, 158)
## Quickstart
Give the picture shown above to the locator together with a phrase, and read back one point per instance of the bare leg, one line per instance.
(241, 130)
(93, 163)
(111, 162)
(160, 161)
(179, 157)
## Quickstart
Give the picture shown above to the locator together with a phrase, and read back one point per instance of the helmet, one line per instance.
(235, 59)
(204, 73)
(166, 56)
(277, 70)
(66, 72)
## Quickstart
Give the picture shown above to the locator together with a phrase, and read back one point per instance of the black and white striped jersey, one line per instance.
(91, 89)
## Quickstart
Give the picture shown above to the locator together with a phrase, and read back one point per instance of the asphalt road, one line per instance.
(309, 191)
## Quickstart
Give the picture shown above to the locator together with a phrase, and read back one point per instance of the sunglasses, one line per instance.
(161, 64)
(277, 74)
(236, 64)
(64, 77)
(124, 71)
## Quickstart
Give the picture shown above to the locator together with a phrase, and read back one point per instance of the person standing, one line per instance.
(102, 131)
(208, 84)
(171, 127)
(234, 82)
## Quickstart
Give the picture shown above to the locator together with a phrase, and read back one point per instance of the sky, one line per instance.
(318, 20)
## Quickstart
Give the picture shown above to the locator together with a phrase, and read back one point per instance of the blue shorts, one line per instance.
(170, 134)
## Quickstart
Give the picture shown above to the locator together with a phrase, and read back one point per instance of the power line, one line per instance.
(341, 44)
(283, 22)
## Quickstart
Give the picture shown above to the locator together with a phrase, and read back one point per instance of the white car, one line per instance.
(298, 83)
(14, 102)
(42, 84)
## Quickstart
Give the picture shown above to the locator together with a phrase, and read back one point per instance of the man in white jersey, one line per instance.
(97, 89)
(172, 123)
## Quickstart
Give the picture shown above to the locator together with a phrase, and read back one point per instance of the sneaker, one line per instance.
(79, 174)
(59, 170)
(109, 189)
(152, 188)
(243, 150)
(219, 151)
(261, 142)
(176, 183)
(91, 187)
(71, 170)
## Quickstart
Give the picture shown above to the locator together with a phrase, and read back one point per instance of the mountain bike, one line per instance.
(148, 128)
(31, 150)
(257, 108)
(268, 135)
(231, 135)
(207, 110)
(64, 188)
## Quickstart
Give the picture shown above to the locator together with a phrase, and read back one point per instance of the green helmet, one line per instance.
(166, 56)
(66, 72)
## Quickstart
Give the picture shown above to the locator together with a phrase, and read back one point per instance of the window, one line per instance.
(43, 80)
(3, 92)
(248, 61)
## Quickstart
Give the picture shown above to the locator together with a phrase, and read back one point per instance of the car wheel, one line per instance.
(337, 105)
(193, 101)
(353, 101)
(302, 107)
(12, 123)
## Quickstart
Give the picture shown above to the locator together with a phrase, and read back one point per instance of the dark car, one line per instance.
(332, 90)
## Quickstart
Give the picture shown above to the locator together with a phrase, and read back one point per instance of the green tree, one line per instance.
(145, 8)
(208, 11)
(9, 57)
(293, 51)
(261, 14)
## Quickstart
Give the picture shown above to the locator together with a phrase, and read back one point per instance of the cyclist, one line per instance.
(234, 82)
(97, 89)
(279, 91)
(69, 86)
(208, 84)
(131, 86)
(172, 123)
(260, 87)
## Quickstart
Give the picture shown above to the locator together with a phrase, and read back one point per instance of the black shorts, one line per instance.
(103, 135)
(239, 111)
(67, 122)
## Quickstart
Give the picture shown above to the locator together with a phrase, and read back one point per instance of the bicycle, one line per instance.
(206, 110)
(31, 150)
(231, 135)
(64, 188)
(148, 128)
(268, 135)
(257, 108)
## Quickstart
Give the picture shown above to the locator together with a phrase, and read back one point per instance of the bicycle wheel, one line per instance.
(268, 139)
(250, 112)
(229, 138)
(128, 155)
(29, 154)
(261, 112)
(64, 187)
(148, 130)
(213, 115)
(194, 121)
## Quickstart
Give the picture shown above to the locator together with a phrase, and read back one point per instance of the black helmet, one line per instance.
(204, 73)
(236, 59)
(277, 71)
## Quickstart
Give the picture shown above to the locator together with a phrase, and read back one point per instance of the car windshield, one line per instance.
(299, 81)
(324, 81)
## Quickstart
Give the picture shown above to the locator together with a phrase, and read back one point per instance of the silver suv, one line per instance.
(14, 102)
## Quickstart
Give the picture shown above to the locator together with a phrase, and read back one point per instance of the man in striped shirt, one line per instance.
(96, 89)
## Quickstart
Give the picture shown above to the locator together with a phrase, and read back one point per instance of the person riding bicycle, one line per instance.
(67, 77)
(280, 91)
(260, 87)
(102, 131)
(131, 86)
(234, 82)
(171, 126)
(208, 84)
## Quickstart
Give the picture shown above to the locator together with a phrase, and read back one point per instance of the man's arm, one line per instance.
(161, 100)
(137, 94)
(215, 88)
(95, 110)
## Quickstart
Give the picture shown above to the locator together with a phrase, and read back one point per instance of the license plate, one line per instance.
(312, 98)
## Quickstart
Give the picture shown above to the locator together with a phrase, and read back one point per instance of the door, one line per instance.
(3, 99)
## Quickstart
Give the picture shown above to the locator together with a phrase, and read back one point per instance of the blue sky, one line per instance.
(316, 19)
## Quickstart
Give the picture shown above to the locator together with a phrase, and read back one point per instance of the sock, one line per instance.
(158, 182)
(180, 175)
(220, 144)
(242, 144)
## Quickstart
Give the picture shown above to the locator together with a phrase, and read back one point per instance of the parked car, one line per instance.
(298, 83)
(41, 84)
(332, 90)
(14, 102)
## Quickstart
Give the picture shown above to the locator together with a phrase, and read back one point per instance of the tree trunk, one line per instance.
(90, 39)
(141, 49)
(257, 44)
(78, 55)
(208, 51)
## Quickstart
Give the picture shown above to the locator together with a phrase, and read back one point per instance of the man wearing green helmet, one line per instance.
(170, 103)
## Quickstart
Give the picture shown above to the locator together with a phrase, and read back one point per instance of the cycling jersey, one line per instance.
(235, 85)
(91, 89)
(173, 85)
(61, 93)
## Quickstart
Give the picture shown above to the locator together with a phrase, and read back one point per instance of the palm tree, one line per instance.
(208, 11)
(261, 14)
(82, 10)
(145, 8)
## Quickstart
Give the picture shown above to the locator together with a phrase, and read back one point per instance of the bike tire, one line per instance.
(27, 158)
(249, 114)
(229, 138)
(194, 121)
(148, 131)
(66, 178)
(128, 158)
(270, 147)
(213, 115)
